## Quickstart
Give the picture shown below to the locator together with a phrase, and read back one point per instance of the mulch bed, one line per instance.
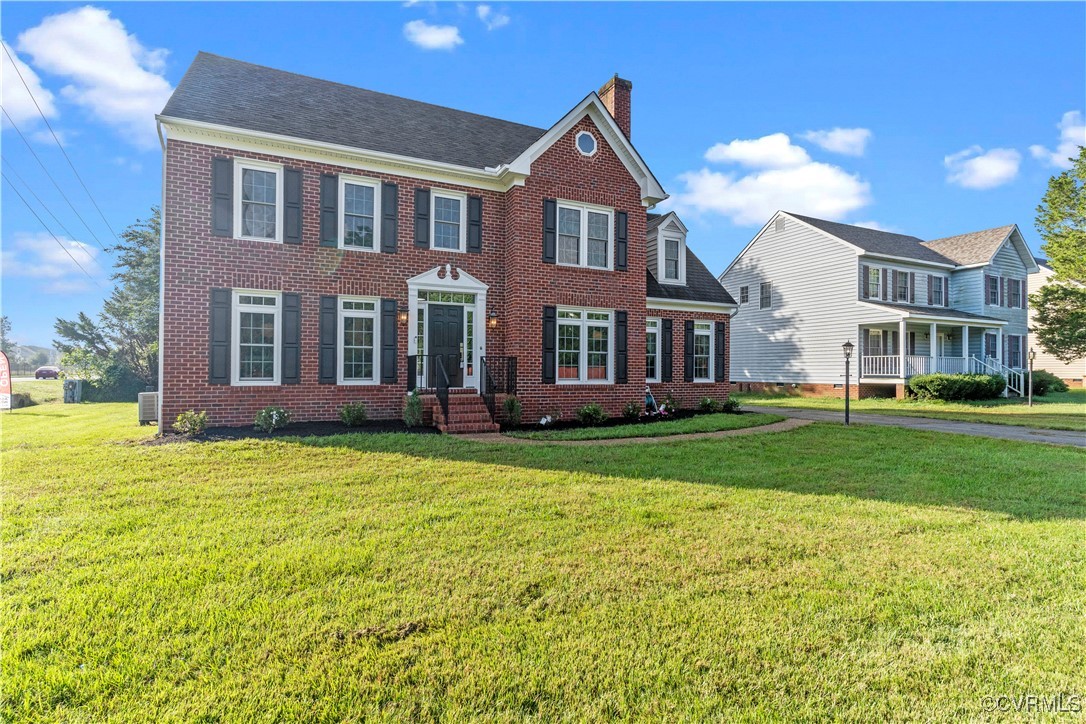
(573, 424)
(294, 429)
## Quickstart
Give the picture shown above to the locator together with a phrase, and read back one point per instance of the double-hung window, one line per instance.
(256, 338)
(671, 259)
(744, 295)
(1014, 293)
(584, 236)
(902, 291)
(449, 232)
(652, 350)
(937, 291)
(357, 341)
(703, 351)
(258, 205)
(360, 201)
(584, 345)
(765, 296)
(874, 282)
(992, 292)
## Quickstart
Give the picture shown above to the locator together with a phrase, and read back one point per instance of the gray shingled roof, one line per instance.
(653, 220)
(976, 247)
(242, 95)
(701, 285)
(878, 242)
(932, 311)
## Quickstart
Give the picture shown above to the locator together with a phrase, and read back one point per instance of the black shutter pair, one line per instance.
(222, 200)
(219, 338)
(389, 221)
(329, 341)
(474, 221)
(688, 352)
(550, 235)
(719, 349)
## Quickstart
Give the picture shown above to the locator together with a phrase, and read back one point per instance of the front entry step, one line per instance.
(467, 414)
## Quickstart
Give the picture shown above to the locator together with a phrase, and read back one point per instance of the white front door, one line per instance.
(940, 347)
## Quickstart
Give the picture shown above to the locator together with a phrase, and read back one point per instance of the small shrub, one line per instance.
(1045, 382)
(708, 404)
(731, 406)
(190, 423)
(957, 387)
(512, 409)
(412, 409)
(670, 403)
(272, 418)
(353, 414)
(632, 410)
(591, 414)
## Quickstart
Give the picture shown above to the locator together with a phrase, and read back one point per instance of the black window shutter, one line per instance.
(292, 206)
(422, 217)
(987, 293)
(666, 349)
(688, 351)
(931, 290)
(550, 231)
(893, 285)
(1002, 291)
(222, 196)
(866, 344)
(329, 329)
(621, 356)
(218, 368)
(329, 210)
(388, 341)
(621, 241)
(390, 217)
(912, 288)
(718, 348)
(292, 339)
(865, 290)
(885, 284)
(550, 340)
(475, 224)
(946, 291)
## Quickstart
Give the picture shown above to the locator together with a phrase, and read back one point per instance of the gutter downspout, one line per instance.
(161, 272)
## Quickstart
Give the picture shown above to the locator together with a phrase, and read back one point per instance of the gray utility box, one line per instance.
(73, 390)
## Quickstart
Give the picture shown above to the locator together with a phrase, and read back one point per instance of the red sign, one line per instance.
(5, 383)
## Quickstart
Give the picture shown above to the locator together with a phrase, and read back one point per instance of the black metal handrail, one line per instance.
(441, 383)
(498, 376)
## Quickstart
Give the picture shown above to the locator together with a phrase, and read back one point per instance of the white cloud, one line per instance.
(1072, 135)
(432, 37)
(975, 168)
(16, 101)
(38, 256)
(773, 151)
(109, 71)
(492, 19)
(848, 141)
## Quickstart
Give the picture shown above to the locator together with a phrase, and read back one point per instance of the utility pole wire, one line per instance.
(58, 241)
(59, 144)
(49, 211)
(43, 168)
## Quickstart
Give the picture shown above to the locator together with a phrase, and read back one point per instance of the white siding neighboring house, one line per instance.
(805, 286)
(1074, 372)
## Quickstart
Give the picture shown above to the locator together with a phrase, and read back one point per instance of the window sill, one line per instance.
(344, 247)
(254, 383)
(257, 238)
(358, 383)
(593, 383)
(453, 251)
(586, 267)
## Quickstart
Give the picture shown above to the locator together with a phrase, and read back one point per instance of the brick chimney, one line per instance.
(615, 95)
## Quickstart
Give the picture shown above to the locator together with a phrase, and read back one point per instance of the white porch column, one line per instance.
(999, 344)
(902, 340)
(933, 349)
(965, 345)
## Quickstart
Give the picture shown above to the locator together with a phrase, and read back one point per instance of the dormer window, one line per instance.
(671, 260)
(667, 250)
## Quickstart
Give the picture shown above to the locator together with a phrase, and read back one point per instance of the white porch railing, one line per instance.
(917, 364)
(952, 365)
(885, 365)
(1016, 378)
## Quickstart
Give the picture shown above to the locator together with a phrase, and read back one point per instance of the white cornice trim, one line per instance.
(936, 317)
(685, 306)
(347, 156)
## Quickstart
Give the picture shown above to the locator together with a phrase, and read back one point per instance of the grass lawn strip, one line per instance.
(700, 423)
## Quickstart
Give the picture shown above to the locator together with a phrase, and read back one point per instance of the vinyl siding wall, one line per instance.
(921, 272)
(1008, 264)
(1075, 370)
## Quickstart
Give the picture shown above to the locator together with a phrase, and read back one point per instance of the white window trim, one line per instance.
(583, 253)
(938, 300)
(341, 314)
(662, 241)
(712, 349)
(745, 289)
(595, 144)
(375, 184)
(999, 284)
(235, 336)
(876, 292)
(770, 305)
(240, 164)
(463, 199)
(659, 325)
(584, 324)
(909, 291)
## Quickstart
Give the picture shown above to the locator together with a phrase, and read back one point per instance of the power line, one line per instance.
(59, 144)
(49, 211)
(43, 168)
(58, 241)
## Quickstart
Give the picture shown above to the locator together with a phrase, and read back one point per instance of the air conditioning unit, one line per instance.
(148, 404)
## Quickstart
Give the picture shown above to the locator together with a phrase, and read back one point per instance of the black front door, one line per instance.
(446, 338)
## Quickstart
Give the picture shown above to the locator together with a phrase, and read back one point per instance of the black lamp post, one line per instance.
(1032, 356)
(847, 348)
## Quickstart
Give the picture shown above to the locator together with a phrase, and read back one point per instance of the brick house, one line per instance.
(325, 244)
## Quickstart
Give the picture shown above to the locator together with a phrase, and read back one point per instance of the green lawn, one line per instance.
(860, 573)
(1055, 411)
(701, 423)
(40, 391)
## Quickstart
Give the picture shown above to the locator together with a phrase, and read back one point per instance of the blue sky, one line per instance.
(950, 117)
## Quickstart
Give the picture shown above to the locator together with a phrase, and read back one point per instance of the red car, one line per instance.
(47, 373)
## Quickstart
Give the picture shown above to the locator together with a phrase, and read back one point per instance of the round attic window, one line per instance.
(586, 143)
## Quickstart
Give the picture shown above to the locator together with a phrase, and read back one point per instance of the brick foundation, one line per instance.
(805, 389)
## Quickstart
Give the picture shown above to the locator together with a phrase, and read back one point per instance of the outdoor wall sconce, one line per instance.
(492, 319)
(402, 316)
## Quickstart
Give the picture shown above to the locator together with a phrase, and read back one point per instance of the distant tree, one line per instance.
(123, 342)
(1060, 306)
(5, 335)
(40, 359)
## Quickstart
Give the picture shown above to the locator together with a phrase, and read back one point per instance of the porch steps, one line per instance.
(467, 414)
